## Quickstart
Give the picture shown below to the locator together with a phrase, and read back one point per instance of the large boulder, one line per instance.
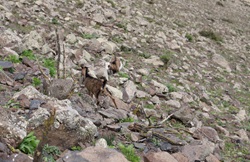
(67, 127)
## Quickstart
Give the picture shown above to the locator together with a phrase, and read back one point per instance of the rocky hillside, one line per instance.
(182, 94)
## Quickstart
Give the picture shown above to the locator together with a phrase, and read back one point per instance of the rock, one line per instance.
(75, 127)
(129, 91)
(241, 115)
(175, 95)
(59, 88)
(144, 72)
(159, 157)
(140, 146)
(5, 79)
(165, 146)
(11, 126)
(27, 62)
(109, 47)
(23, 101)
(116, 114)
(114, 127)
(198, 152)
(212, 158)
(220, 60)
(101, 143)
(71, 38)
(155, 100)
(20, 76)
(35, 104)
(141, 94)
(33, 40)
(6, 65)
(180, 157)
(99, 18)
(207, 132)
(173, 103)
(185, 116)
(20, 157)
(114, 91)
(160, 88)
(155, 60)
(94, 154)
(243, 135)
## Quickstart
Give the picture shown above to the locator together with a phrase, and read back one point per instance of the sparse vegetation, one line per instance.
(111, 2)
(54, 21)
(13, 59)
(129, 119)
(89, 36)
(211, 35)
(189, 37)
(129, 152)
(166, 56)
(149, 106)
(76, 148)
(1, 68)
(171, 88)
(145, 55)
(110, 138)
(29, 144)
(36, 81)
(29, 54)
(50, 153)
(51, 65)
(123, 75)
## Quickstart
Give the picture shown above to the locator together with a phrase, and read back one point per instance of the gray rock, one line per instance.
(198, 152)
(155, 60)
(33, 40)
(101, 143)
(220, 60)
(160, 88)
(59, 88)
(129, 91)
(71, 38)
(114, 91)
(173, 103)
(141, 94)
(159, 157)
(12, 126)
(144, 72)
(207, 132)
(117, 114)
(6, 65)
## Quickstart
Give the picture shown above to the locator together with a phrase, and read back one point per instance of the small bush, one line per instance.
(166, 57)
(171, 88)
(123, 75)
(36, 81)
(76, 148)
(29, 54)
(189, 37)
(1, 68)
(211, 35)
(149, 106)
(54, 21)
(145, 55)
(29, 144)
(129, 152)
(51, 65)
(111, 2)
(13, 59)
(89, 36)
(129, 119)
(49, 153)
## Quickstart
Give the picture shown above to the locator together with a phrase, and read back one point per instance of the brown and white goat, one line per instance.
(115, 65)
(94, 86)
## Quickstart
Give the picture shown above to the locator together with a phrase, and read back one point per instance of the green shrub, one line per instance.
(29, 54)
(36, 81)
(189, 37)
(129, 152)
(171, 88)
(145, 55)
(51, 65)
(123, 75)
(211, 35)
(89, 36)
(1, 68)
(13, 59)
(54, 21)
(149, 106)
(29, 144)
(76, 148)
(49, 152)
(129, 119)
(165, 58)
(111, 2)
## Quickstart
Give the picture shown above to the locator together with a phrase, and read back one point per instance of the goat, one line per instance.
(115, 65)
(94, 86)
